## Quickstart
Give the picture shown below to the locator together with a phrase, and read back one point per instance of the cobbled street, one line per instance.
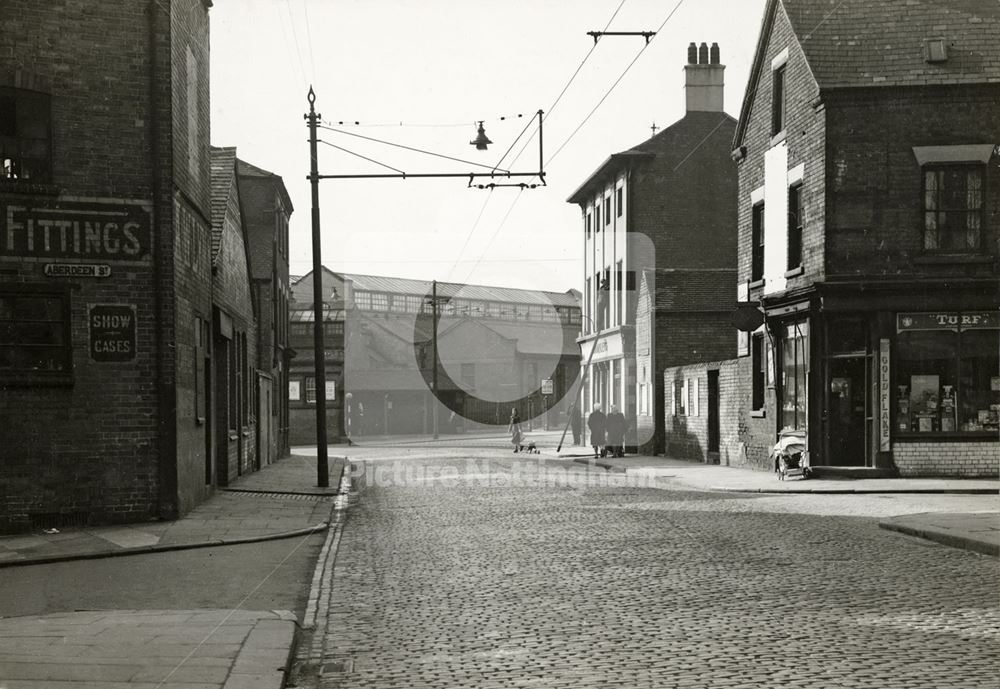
(490, 573)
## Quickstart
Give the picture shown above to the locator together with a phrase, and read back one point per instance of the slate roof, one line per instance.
(694, 290)
(851, 43)
(674, 143)
(223, 173)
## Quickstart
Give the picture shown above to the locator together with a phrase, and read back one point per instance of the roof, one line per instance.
(880, 43)
(223, 161)
(302, 290)
(673, 143)
(245, 169)
(694, 290)
(540, 338)
(850, 43)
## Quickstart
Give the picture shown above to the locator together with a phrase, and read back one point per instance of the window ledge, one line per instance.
(35, 380)
(233, 435)
(756, 283)
(931, 259)
(793, 272)
(779, 137)
(758, 413)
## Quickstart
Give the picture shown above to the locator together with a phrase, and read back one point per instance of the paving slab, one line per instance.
(173, 649)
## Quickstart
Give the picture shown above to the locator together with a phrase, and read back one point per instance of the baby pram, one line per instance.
(523, 443)
(789, 454)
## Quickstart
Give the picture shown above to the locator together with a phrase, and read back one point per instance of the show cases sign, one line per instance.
(112, 332)
(87, 230)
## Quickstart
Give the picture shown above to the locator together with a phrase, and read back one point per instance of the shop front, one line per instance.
(879, 382)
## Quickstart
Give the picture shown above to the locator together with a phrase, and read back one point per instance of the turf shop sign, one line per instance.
(112, 332)
(75, 229)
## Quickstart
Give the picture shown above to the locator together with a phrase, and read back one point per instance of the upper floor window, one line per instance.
(607, 210)
(795, 209)
(953, 207)
(25, 136)
(757, 244)
(778, 98)
(597, 218)
(618, 201)
(588, 225)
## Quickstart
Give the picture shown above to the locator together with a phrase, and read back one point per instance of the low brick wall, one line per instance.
(963, 459)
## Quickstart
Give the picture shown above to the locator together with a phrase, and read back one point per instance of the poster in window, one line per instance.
(331, 390)
(924, 395)
(294, 390)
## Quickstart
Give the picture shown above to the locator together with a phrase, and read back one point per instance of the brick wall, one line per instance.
(966, 459)
(686, 435)
(875, 181)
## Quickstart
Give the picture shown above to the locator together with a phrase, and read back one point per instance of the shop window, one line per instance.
(25, 135)
(310, 390)
(947, 373)
(757, 243)
(794, 375)
(758, 361)
(795, 217)
(34, 335)
(953, 207)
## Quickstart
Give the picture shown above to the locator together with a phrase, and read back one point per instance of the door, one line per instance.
(264, 422)
(713, 413)
(848, 405)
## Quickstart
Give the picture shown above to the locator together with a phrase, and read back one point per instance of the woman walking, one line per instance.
(596, 422)
(514, 428)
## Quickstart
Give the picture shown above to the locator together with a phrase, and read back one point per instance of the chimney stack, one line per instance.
(704, 79)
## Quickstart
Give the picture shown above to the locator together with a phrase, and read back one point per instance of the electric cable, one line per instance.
(409, 148)
(370, 160)
(468, 236)
(295, 36)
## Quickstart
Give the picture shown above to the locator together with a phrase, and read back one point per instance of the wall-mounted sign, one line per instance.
(948, 320)
(112, 332)
(331, 390)
(77, 270)
(547, 386)
(884, 388)
(294, 391)
(75, 229)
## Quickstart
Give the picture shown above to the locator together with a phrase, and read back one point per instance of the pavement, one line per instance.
(169, 649)
(975, 531)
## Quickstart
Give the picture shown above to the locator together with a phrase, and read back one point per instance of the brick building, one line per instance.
(495, 346)
(105, 279)
(267, 209)
(869, 233)
(231, 370)
(664, 210)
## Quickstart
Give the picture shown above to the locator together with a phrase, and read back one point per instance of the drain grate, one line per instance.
(268, 495)
(58, 520)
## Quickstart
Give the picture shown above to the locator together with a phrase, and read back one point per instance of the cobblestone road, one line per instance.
(494, 577)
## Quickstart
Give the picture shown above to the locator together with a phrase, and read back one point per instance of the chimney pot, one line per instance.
(692, 54)
(703, 54)
(714, 52)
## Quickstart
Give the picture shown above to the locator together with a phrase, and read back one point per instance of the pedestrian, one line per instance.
(616, 432)
(514, 428)
(574, 422)
(596, 423)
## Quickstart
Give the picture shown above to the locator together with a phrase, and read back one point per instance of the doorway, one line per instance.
(849, 420)
(713, 416)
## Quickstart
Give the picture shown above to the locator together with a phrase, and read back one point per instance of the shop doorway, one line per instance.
(849, 411)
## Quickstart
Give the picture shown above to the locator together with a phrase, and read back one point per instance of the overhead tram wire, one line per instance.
(370, 160)
(295, 36)
(615, 84)
(411, 148)
(527, 141)
(312, 57)
(566, 87)
(495, 233)
(468, 236)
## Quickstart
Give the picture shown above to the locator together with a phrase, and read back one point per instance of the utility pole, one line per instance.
(322, 470)
(434, 344)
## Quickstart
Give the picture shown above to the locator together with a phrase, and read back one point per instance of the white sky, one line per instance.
(446, 62)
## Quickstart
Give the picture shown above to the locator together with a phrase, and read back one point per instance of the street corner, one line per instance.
(977, 532)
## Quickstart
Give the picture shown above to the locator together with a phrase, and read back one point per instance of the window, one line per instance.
(397, 303)
(363, 300)
(757, 244)
(795, 218)
(618, 201)
(758, 362)
(380, 301)
(673, 398)
(310, 390)
(597, 218)
(794, 375)
(469, 376)
(333, 328)
(692, 396)
(778, 97)
(607, 210)
(682, 401)
(25, 137)
(953, 207)
(35, 334)
(294, 390)
(947, 373)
